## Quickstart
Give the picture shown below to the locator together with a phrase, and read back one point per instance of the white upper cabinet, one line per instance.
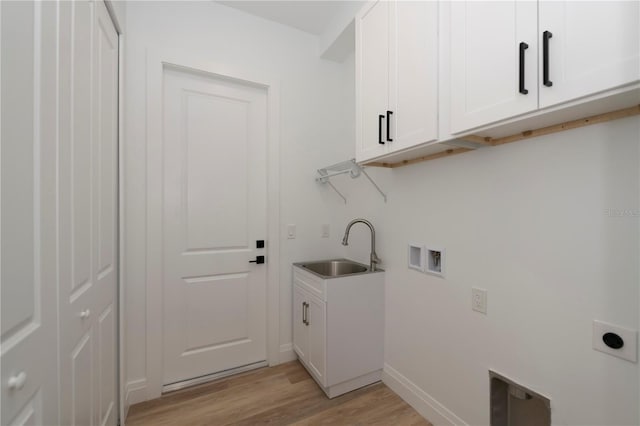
(372, 79)
(493, 61)
(396, 76)
(514, 57)
(592, 46)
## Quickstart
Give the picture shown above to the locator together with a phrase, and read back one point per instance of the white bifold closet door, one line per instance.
(88, 204)
(28, 214)
(59, 69)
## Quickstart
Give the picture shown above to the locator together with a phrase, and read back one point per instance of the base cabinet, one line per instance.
(338, 329)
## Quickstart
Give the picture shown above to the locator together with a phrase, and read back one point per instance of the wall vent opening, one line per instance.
(514, 405)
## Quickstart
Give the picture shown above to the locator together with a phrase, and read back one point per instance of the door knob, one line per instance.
(17, 382)
(85, 314)
(259, 260)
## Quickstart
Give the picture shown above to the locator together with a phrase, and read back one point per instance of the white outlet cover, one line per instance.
(630, 337)
(479, 300)
(291, 231)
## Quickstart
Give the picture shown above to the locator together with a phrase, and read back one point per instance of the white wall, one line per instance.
(527, 222)
(312, 131)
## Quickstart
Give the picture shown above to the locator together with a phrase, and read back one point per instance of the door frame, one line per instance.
(156, 62)
(121, 391)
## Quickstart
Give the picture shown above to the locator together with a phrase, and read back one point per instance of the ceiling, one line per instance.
(310, 16)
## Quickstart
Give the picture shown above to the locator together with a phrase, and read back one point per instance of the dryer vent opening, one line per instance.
(514, 405)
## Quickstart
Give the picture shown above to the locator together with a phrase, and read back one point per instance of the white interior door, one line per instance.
(214, 316)
(88, 206)
(28, 214)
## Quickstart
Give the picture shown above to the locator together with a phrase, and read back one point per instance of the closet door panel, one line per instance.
(29, 363)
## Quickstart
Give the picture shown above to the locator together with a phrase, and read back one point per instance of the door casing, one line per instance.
(156, 62)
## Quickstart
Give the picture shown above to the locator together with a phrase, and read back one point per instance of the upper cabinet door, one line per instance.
(593, 46)
(486, 61)
(413, 74)
(372, 79)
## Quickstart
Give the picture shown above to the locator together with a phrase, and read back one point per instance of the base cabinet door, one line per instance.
(316, 324)
(309, 331)
(592, 46)
(491, 79)
(300, 335)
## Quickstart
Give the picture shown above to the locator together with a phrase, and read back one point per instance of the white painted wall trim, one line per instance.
(135, 392)
(286, 353)
(154, 206)
(421, 401)
(123, 406)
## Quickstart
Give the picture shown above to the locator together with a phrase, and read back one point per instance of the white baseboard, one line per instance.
(286, 353)
(136, 392)
(421, 401)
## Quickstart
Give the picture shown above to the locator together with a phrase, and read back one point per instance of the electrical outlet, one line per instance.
(615, 340)
(479, 300)
(325, 230)
(291, 231)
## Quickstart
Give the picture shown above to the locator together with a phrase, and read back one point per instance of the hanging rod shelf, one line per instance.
(344, 167)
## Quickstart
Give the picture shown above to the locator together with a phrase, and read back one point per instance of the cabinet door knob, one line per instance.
(17, 382)
(85, 314)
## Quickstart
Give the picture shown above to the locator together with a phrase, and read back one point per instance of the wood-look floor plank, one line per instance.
(281, 395)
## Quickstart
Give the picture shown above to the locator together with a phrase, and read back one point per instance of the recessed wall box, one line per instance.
(513, 404)
(435, 261)
(416, 257)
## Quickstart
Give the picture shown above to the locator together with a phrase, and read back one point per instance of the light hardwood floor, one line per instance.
(282, 395)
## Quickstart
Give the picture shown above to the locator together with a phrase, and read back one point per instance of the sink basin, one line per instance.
(334, 268)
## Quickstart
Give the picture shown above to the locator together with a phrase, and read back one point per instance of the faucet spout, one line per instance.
(373, 258)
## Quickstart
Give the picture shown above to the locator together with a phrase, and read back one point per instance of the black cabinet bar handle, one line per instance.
(523, 47)
(304, 313)
(545, 58)
(380, 118)
(389, 126)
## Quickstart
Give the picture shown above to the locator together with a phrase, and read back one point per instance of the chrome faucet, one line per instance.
(374, 259)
